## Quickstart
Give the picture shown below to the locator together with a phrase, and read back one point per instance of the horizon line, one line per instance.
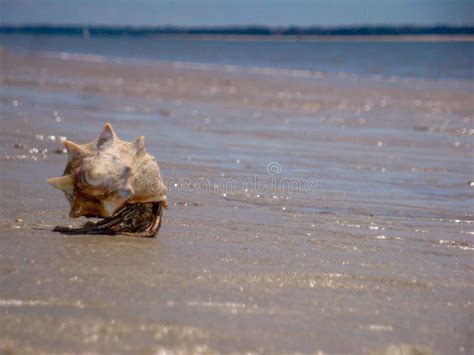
(388, 25)
(252, 31)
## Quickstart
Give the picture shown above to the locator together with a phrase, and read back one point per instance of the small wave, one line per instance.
(456, 244)
(39, 303)
(77, 56)
(230, 68)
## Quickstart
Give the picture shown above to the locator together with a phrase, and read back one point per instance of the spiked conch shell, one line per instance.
(106, 174)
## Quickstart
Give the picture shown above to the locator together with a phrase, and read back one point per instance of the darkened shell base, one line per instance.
(137, 220)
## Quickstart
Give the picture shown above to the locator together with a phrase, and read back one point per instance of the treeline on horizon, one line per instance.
(241, 30)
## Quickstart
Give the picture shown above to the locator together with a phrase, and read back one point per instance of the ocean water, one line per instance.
(426, 59)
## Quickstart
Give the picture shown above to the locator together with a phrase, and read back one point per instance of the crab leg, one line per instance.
(137, 220)
(92, 227)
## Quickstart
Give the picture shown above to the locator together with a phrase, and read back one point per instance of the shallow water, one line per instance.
(307, 214)
(440, 59)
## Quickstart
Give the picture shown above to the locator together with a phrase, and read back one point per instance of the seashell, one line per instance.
(103, 176)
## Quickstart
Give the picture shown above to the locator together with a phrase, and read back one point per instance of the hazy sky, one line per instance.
(239, 12)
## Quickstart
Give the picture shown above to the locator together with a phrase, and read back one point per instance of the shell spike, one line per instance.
(140, 145)
(63, 183)
(140, 142)
(107, 136)
(74, 150)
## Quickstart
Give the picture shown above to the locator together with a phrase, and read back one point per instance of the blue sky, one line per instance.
(237, 12)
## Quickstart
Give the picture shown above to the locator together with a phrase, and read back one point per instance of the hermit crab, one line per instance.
(115, 180)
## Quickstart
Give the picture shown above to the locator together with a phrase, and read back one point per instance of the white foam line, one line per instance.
(33, 303)
(216, 304)
(189, 65)
(84, 57)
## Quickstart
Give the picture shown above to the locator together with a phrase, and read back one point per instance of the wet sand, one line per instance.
(308, 212)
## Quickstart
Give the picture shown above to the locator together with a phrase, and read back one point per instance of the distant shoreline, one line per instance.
(327, 38)
(314, 33)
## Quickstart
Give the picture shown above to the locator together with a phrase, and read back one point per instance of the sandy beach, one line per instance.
(309, 212)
